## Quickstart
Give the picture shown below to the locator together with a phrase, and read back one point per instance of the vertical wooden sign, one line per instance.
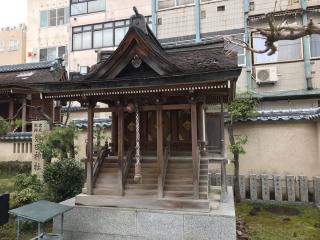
(38, 127)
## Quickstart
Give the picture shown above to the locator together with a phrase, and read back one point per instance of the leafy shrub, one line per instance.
(10, 125)
(64, 179)
(4, 126)
(28, 188)
(57, 143)
(24, 181)
(14, 167)
(24, 196)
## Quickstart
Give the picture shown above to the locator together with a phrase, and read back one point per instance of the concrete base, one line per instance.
(97, 223)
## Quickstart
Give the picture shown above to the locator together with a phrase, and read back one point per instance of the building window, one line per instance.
(54, 17)
(162, 4)
(86, 6)
(13, 45)
(315, 45)
(288, 50)
(241, 52)
(48, 54)
(108, 34)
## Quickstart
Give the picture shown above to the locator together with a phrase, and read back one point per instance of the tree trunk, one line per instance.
(236, 165)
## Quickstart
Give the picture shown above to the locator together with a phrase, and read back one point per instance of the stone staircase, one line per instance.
(204, 178)
(149, 186)
(179, 178)
(107, 180)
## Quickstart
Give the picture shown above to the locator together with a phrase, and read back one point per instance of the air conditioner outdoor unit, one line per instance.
(266, 74)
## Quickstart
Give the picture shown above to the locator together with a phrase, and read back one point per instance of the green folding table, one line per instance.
(40, 212)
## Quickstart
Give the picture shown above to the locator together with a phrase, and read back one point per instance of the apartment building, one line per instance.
(48, 30)
(99, 25)
(284, 138)
(13, 45)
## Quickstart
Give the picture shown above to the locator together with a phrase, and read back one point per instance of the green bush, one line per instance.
(58, 143)
(27, 189)
(11, 168)
(24, 196)
(64, 179)
(4, 126)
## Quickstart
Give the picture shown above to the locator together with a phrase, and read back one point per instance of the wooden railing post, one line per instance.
(90, 150)
(120, 150)
(160, 151)
(195, 153)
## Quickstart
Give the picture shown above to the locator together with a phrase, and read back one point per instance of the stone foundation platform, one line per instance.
(103, 223)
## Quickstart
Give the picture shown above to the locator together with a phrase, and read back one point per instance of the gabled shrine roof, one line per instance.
(24, 74)
(140, 44)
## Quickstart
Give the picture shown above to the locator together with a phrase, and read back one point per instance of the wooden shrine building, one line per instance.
(19, 99)
(157, 97)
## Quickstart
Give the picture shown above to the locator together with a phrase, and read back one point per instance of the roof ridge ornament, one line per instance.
(138, 21)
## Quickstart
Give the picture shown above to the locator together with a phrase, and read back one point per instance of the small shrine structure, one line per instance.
(159, 150)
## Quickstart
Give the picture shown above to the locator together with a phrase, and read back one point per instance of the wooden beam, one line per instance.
(24, 115)
(146, 108)
(160, 151)
(120, 149)
(90, 151)
(195, 154)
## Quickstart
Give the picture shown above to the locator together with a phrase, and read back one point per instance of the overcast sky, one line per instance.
(12, 12)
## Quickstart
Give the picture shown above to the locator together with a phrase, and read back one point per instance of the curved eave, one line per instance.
(213, 80)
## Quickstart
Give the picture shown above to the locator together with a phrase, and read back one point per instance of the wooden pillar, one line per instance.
(200, 127)
(224, 162)
(195, 152)
(24, 115)
(120, 148)
(160, 151)
(11, 108)
(114, 133)
(90, 151)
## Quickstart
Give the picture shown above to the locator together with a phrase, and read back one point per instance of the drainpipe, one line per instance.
(247, 40)
(306, 47)
(197, 20)
(154, 8)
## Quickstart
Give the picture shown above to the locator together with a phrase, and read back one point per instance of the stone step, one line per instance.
(203, 196)
(178, 194)
(106, 174)
(144, 181)
(180, 158)
(169, 187)
(140, 192)
(108, 170)
(105, 191)
(146, 170)
(178, 181)
(110, 165)
(182, 177)
(179, 165)
(143, 186)
(146, 165)
(203, 177)
(186, 171)
(106, 185)
(108, 180)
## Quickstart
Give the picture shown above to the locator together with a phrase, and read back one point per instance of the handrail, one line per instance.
(103, 153)
(127, 163)
(166, 156)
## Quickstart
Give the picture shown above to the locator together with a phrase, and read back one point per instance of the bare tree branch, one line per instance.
(274, 33)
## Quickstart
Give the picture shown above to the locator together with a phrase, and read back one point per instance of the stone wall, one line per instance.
(13, 151)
